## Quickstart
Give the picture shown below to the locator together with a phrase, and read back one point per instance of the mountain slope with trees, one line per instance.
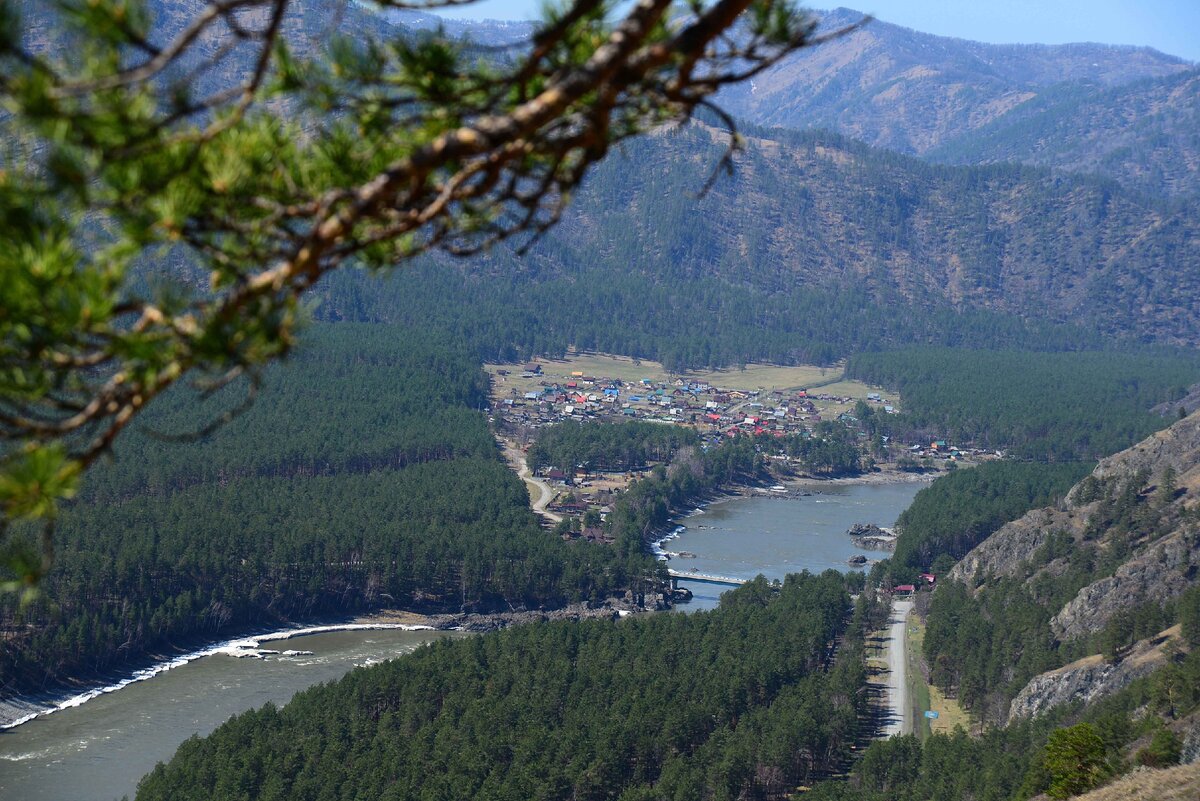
(816, 247)
(1144, 135)
(817, 210)
(1094, 573)
(1047, 407)
(909, 91)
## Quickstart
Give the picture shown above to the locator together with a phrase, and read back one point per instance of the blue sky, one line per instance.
(1172, 26)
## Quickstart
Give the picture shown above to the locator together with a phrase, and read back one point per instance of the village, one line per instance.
(762, 400)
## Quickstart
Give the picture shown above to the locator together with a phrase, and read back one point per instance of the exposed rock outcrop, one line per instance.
(1177, 447)
(1090, 678)
(1006, 552)
(1159, 574)
(1191, 745)
(1121, 508)
(1086, 682)
(1189, 403)
(871, 537)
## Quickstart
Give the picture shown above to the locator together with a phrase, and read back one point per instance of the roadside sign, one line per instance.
(929, 713)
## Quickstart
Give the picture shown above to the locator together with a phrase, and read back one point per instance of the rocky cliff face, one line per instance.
(1124, 515)
(1176, 447)
(1127, 536)
(1159, 574)
(1005, 553)
(1090, 678)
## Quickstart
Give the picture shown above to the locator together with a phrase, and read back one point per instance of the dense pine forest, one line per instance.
(1057, 407)
(596, 446)
(959, 510)
(516, 309)
(746, 701)
(382, 487)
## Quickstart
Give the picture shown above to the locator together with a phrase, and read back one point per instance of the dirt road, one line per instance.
(540, 493)
(898, 716)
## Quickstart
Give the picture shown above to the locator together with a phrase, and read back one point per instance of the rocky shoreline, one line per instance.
(871, 537)
(881, 476)
(484, 622)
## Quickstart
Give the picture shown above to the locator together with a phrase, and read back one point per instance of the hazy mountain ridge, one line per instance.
(909, 91)
(816, 209)
(1146, 135)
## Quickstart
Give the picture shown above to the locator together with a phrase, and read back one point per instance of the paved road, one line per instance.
(898, 718)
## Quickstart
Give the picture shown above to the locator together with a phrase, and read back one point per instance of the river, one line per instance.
(742, 537)
(98, 750)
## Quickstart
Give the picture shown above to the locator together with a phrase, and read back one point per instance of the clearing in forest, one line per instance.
(752, 376)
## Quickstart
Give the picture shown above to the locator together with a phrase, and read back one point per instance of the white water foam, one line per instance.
(45, 752)
(656, 546)
(241, 647)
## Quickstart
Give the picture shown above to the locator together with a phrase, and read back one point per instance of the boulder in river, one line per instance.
(871, 537)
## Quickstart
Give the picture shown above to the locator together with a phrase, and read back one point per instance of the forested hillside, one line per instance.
(1107, 575)
(361, 477)
(353, 399)
(746, 701)
(962, 508)
(1057, 407)
(1145, 135)
(1095, 573)
(817, 247)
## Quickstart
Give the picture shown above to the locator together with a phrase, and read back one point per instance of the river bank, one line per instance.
(18, 709)
(879, 476)
(99, 750)
(792, 487)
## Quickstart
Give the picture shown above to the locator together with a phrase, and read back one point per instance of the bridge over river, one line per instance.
(704, 577)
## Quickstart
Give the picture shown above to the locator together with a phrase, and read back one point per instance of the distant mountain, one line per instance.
(1124, 112)
(489, 32)
(909, 91)
(1145, 134)
(814, 210)
(811, 209)
(816, 248)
